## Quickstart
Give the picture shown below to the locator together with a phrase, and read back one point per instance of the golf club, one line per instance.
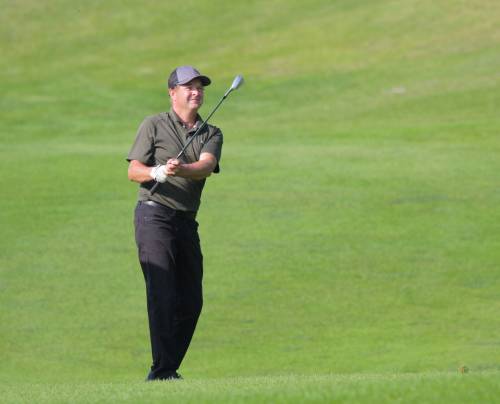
(237, 83)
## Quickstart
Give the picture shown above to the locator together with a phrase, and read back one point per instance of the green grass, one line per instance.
(369, 388)
(351, 238)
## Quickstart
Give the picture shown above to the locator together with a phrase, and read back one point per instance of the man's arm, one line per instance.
(139, 172)
(198, 170)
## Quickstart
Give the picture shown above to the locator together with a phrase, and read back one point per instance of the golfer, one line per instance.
(166, 231)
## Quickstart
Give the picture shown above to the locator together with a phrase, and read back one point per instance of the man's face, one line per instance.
(187, 96)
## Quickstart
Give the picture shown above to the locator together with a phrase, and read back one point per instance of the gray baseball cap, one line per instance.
(184, 74)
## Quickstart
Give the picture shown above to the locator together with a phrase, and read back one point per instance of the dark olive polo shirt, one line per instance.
(160, 138)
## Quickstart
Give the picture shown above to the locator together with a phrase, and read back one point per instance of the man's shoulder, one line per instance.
(213, 130)
(212, 127)
(154, 119)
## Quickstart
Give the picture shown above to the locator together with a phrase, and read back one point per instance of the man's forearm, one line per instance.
(139, 172)
(196, 171)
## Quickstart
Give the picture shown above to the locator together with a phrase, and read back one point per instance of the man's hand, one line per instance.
(173, 167)
(198, 170)
(159, 173)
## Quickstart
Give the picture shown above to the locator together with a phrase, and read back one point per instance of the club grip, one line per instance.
(153, 189)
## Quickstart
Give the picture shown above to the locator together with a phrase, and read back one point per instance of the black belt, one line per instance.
(180, 213)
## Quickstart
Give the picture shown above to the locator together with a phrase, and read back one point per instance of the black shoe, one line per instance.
(166, 376)
(171, 376)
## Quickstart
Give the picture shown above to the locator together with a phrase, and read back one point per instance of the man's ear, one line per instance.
(171, 92)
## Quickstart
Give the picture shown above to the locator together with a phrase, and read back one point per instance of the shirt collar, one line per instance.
(179, 121)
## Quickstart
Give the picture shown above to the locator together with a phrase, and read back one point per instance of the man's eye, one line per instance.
(200, 89)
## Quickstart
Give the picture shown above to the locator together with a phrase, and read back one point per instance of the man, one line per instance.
(166, 231)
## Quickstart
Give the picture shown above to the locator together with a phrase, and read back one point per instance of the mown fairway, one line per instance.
(351, 240)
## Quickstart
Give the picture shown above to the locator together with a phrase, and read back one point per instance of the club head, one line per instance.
(237, 82)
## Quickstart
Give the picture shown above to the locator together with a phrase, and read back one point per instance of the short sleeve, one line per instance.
(143, 147)
(214, 146)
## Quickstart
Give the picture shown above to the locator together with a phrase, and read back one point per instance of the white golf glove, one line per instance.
(159, 173)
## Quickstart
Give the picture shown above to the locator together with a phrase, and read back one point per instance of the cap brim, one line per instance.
(204, 80)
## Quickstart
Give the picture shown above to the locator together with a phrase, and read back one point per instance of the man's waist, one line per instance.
(175, 212)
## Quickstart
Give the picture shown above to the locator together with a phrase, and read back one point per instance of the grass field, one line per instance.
(351, 241)
(387, 388)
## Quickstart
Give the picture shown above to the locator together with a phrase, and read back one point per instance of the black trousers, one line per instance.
(172, 264)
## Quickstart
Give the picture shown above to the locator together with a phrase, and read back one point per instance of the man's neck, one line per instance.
(189, 117)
